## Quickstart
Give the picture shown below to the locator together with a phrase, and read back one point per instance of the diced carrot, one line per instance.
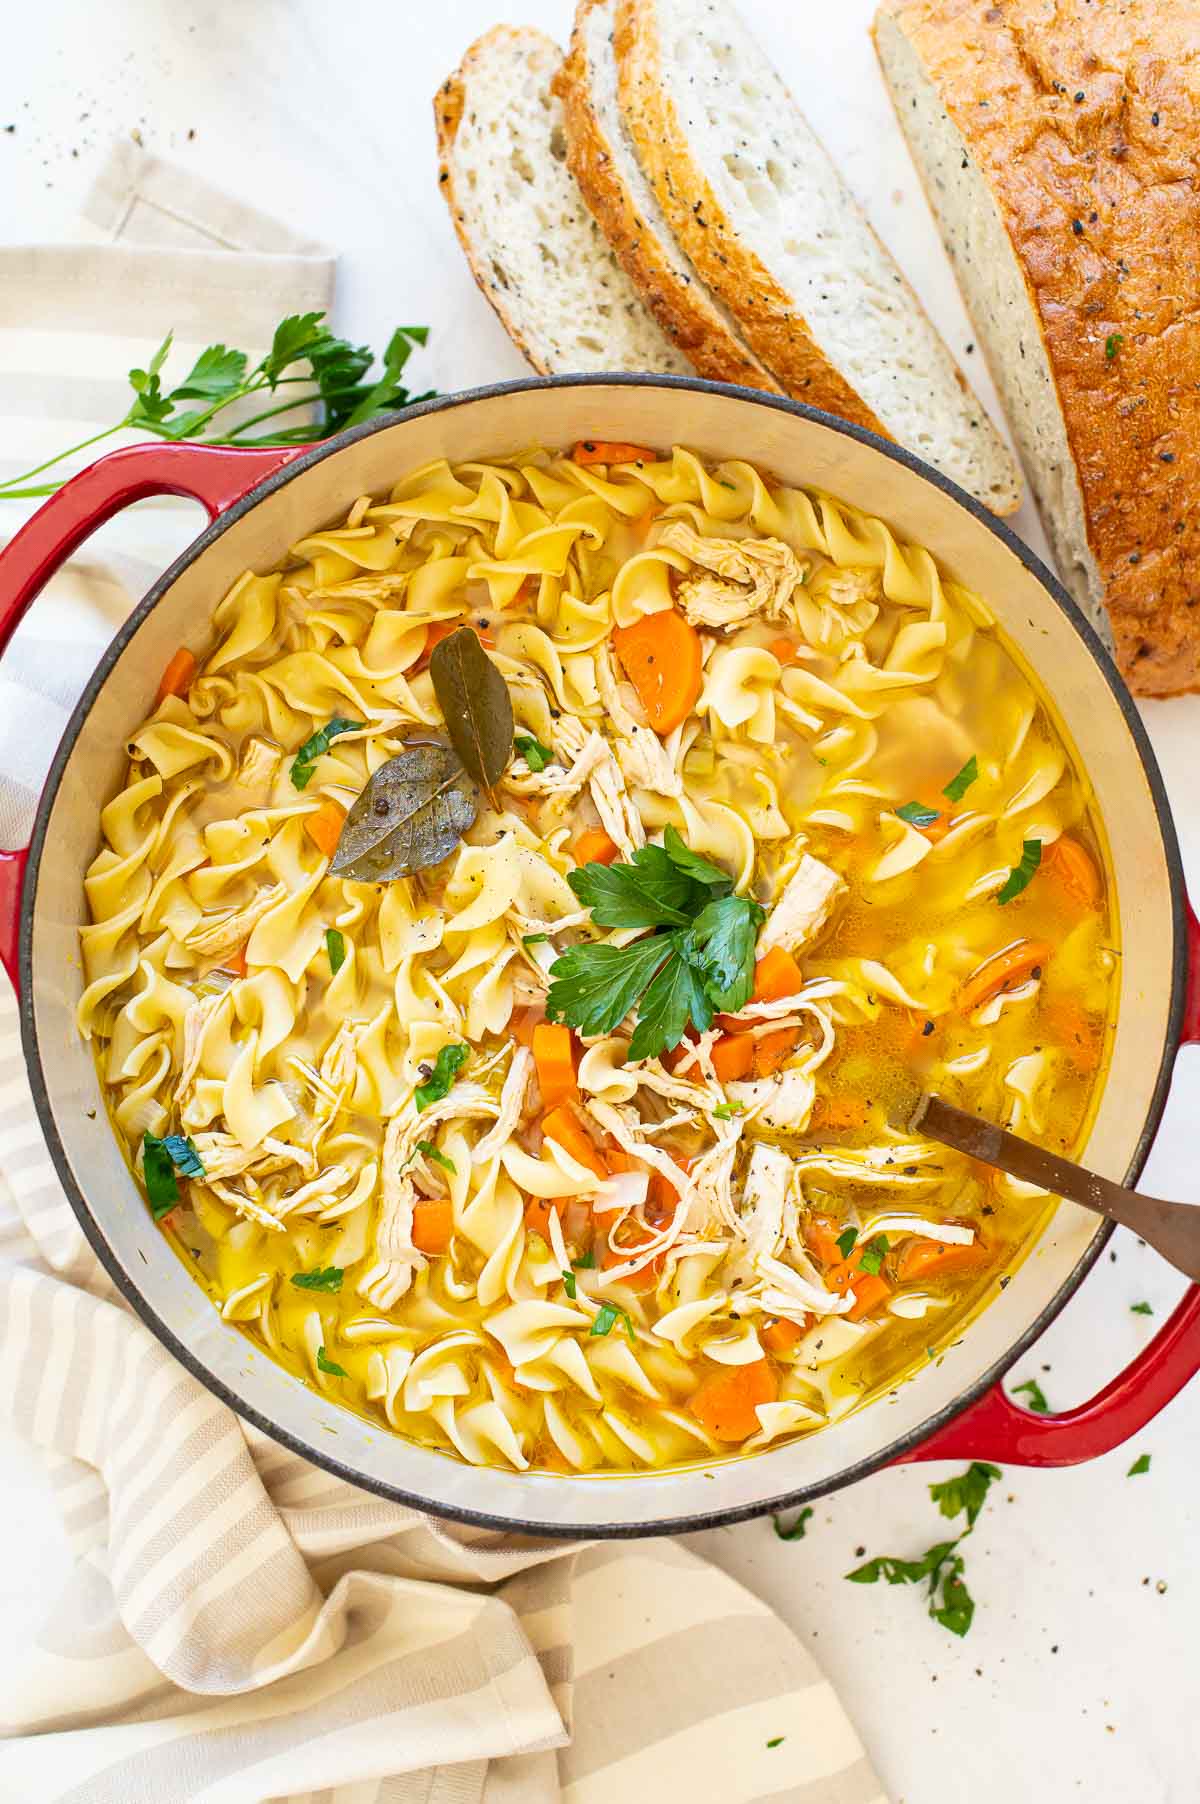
(554, 1057)
(661, 655)
(1075, 1030)
(432, 1226)
(236, 962)
(725, 1404)
(938, 829)
(595, 847)
(920, 1258)
(821, 1238)
(324, 827)
(179, 675)
(772, 1051)
(786, 650)
(662, 1196)
(1075, 872)
(611, 451)
(563, 1125)
(522, 1024)
(780, 1336)
(733, 1057)
(840, 1113)
(442, 629)
(776, 975)
(538, 1211)
(869, 1292)
(1000, 970)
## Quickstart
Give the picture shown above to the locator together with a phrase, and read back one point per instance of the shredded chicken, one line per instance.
(258, 764)
(768, 1175)
(782, 1104)
(223, 936)
(512, 1104)
(644, 760)
(802, 910)
(746, 577)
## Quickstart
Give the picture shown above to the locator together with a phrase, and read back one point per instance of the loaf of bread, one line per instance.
(1060, 149)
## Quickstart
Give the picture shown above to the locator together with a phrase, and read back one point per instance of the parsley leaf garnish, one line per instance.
(570, 1285)
(316, 747)
(1141, 1309)
(608, 1315)
(917, 815)
(327, 1365)
(586, 1264)
(942, 1565)
(872, 1256)
(845, 1242)
(446, 1067)
(439, 1158)
(327, 1277)
(1021, 875)
(776, 1740)
(161, 1159)
(1141, 1464)
(536, 755)
(335, 945)
(796, 1531)
(337, 380)
(725, 1111)
(1037, 1398)
(699, 959)
(1112, 344)
(958, 785)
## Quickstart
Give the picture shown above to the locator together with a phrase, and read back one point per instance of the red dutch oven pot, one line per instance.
(259, 503)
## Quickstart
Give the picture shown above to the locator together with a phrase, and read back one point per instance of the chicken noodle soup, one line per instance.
(510, 1027)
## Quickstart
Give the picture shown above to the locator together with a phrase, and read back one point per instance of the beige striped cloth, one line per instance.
(241, 1627)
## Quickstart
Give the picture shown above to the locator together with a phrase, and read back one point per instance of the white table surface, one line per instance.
(1079, 1677)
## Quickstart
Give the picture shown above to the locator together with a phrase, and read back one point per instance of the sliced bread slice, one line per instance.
(535, 250)
(604, 163)
(754, 200)
(1072, 215)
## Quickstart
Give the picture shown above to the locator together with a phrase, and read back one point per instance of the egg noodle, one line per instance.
(587, 1263)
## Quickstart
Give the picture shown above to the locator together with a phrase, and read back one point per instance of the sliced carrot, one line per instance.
(780, 1336)
(840, 1113)
(595, 847)
(725, 1404)
(776, 975)
(433, 1224)
(772, 1051)
(553, 1054)
(538, 1211)
(920, 1258)
(821, 1238)
(733, 1057)
(786, 650)
(179, 675)
(611, 451)
(662, 1196)
(938, 829)
(522, 1025)
(1075, 872)
(649, 1275)
(661, 656)
(324, 827)
(869, 1292)
(1001, 969)
(563, 1125)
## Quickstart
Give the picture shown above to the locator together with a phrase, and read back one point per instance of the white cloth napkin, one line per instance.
(241, 1627)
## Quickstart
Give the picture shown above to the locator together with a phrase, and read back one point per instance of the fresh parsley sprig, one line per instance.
(697, 959)
(339, 381)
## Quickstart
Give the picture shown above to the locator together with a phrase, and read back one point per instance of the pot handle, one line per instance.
(216, 476)
(995, 1428)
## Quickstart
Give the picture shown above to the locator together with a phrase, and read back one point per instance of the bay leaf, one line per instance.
(412, 814)
(475, 704)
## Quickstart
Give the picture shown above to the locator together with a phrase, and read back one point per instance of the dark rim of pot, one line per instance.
(717, 1517)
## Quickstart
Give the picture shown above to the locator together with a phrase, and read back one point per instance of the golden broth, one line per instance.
(760, 1245)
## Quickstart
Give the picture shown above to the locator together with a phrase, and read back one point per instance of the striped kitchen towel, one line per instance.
(241, 1627)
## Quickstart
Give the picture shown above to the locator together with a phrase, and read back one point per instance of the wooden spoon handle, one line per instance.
(1172, 1229)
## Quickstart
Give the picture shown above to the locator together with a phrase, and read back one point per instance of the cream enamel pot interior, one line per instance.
(263, 502)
